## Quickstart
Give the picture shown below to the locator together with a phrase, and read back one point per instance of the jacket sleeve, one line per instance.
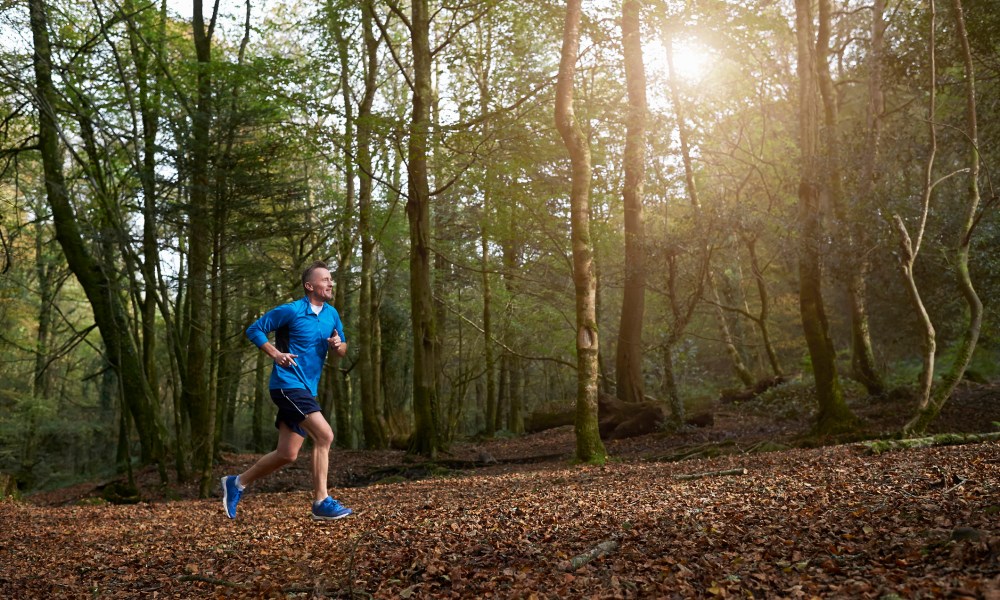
(338, 326)
(271, 320)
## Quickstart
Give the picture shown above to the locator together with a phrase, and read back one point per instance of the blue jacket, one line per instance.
(298, 330)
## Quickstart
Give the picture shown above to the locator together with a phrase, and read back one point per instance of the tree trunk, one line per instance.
(345, 250)
(833, 412)
(862, 356)
(512, 250)
(589, 446)
(483, 70)
(910, 248)
(102, 293)
(515, 391)
(670, 387)
(371, 416)
(628, 358)
(488, 356)
(765, 308)
(503, 391)
(928, 411)
(197, 395)
(46, 296)
(425, 439)
(149, 104)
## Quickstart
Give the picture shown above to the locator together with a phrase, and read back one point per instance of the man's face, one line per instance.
(320, 284)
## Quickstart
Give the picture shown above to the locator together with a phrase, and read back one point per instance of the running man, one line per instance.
(303, 331)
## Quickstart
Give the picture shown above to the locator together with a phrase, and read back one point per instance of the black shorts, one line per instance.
(293, 406)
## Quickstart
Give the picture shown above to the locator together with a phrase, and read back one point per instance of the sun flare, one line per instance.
(691, 59)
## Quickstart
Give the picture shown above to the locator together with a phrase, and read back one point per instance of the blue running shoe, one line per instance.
(329, 510)
(230, 495)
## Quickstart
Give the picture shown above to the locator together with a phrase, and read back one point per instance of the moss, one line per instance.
(941, 439)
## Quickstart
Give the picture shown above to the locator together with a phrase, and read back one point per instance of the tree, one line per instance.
(856, 263)
(833, 412)
(589, 446)
(106, 303)
(628, 357)
(931, 400)
(197, 396)
(371, 417)
(425, 436)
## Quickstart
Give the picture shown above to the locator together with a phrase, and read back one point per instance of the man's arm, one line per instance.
(271, 320)
(282, 358)
(337, 343)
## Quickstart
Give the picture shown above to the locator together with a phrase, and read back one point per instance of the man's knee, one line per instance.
(287, 455)
(324, 438)
(319, 430)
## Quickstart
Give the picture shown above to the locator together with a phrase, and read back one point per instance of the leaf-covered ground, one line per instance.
(827, 522)
(505, 518)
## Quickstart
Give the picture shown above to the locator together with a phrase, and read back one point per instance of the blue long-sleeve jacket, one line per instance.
(298, 330)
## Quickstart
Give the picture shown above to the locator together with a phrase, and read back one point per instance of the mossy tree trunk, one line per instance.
(931, 404)
(833, 413)
(589, 446)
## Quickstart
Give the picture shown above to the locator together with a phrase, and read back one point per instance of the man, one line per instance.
(304, 330)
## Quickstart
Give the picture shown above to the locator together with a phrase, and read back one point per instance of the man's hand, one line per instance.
(337, 344)
(286, 360)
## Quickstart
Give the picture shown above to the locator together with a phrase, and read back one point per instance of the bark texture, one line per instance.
(589, 446)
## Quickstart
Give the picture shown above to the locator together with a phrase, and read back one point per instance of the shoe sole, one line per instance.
(225, 498)
(319, 518)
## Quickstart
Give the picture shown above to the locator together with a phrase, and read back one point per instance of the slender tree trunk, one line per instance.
(488, 356)
(929, 410)
(371, 416)
(910, 248)
(512, 251)
(605, 378)
(765, 308)
(833, 412)
(46, 296)
(102, 293)
(515, 418)
(425, 438)
(589, 446)
(628, 358)
(345, 250)
(739, 368)
(197, 395)
(670, 386)
(503, 391)
(862, 356)
(483, 71)
(149, 101)
(41, 381)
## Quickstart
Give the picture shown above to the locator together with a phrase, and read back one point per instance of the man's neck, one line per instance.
(314, 300)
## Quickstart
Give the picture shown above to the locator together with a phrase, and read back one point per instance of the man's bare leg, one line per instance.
(319, 430)
(287, 451)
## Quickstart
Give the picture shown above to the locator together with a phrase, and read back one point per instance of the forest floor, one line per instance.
(509, 517)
